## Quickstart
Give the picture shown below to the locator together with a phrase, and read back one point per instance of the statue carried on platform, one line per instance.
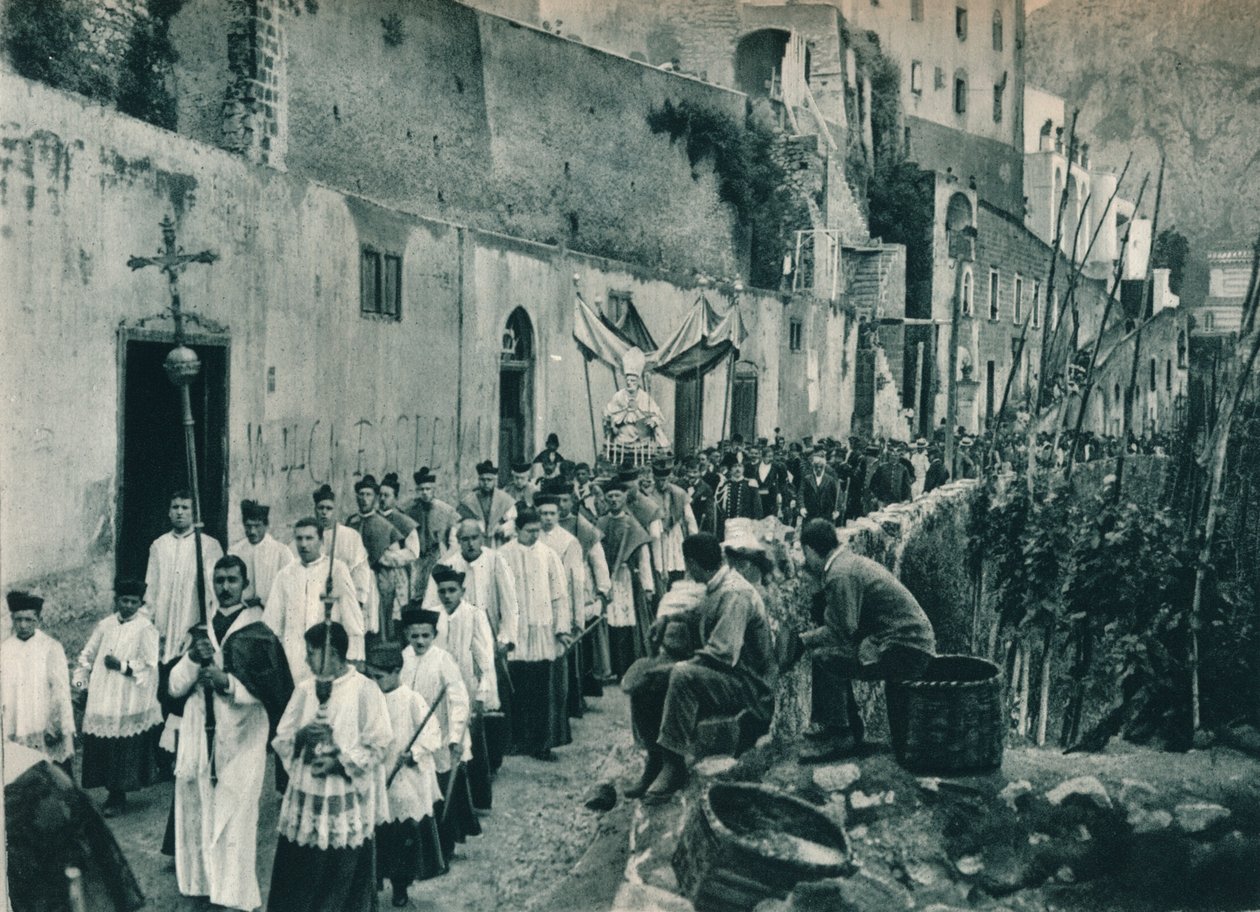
(632, 419)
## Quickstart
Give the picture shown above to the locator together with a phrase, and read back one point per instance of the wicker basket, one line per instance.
(951, 721)
(739, 846)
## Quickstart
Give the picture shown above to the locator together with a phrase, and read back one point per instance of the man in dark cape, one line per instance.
(626, 545)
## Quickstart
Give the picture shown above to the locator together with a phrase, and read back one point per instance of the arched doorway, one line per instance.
(516, 392)
(759, 62)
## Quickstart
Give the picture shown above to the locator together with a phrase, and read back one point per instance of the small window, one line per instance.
(794, 335)
(1209, 321)
(1017, 310)
(916, 10)
(1036, 304)
(997, 30)
(960, 95)
(1154, 381)
(380, 283)
(1168, 375)
(998, 91)
(938, 79)
(916, 77)
(968, 303)
(960, 22)
(995, 305)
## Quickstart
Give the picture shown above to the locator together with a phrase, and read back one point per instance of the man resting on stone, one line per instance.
(871, 628)
(733, 670)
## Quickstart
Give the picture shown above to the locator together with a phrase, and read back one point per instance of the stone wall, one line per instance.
(926, 543)
(316, 390)
(448, 112)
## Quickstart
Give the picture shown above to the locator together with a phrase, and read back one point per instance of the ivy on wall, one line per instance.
(750, 179)
(53, 42)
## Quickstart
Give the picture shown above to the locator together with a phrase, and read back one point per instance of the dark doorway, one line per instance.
(744, 401)
(759, 62)
(516, 392)
(152, 446)
(990, 391)
(688, 412)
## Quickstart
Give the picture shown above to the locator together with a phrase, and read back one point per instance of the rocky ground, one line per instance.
(1130, 829)
(542, 849)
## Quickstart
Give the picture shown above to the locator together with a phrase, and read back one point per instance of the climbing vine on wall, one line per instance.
(749, 178)
(62, 43)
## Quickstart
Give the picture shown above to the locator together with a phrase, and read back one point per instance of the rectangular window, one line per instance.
(380, 283)
(998, 91)
(916, 77)
(1168, 375)
(995, 305)
(1017, 311)
(916, 10)
(960, 95)
(794, 335)
(1036, 304)
(1154, 382)
(938, 79)
(960, 22)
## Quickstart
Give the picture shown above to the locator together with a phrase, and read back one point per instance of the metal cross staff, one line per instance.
(182, 366)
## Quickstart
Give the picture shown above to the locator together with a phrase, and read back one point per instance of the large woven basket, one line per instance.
(952, 720)
(743, 843)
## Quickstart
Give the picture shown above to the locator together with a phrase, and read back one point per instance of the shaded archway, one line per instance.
(516, 391)
(759, 62)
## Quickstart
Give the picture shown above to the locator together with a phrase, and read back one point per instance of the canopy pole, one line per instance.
(730, 387)
(590, 408)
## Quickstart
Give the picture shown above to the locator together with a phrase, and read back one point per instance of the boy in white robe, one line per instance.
(35, 705)
(569, 550)
(489, 585)
(264, 557)
(296, 599)
(539, 713)
(407, 844)
(466, 636)
(427, 669)
(171, 577)
(335, 754)
(351, 551)
(118, 668)
(238, 663)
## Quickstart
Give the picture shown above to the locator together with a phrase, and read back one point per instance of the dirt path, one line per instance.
(541, 848)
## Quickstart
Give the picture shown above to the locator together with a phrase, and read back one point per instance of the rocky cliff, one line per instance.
(1173, 76)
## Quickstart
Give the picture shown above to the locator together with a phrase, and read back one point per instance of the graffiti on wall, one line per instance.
(298, 454)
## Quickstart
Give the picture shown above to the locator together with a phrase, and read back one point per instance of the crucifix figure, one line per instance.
(172, 260)
(182, 366)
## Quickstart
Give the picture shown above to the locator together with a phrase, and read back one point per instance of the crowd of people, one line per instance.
(391, 657)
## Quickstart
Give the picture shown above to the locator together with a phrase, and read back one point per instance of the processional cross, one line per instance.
(172, 260)
(182, 366)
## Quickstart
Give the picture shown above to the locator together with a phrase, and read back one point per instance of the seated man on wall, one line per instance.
(734, 669)
(871, 628)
